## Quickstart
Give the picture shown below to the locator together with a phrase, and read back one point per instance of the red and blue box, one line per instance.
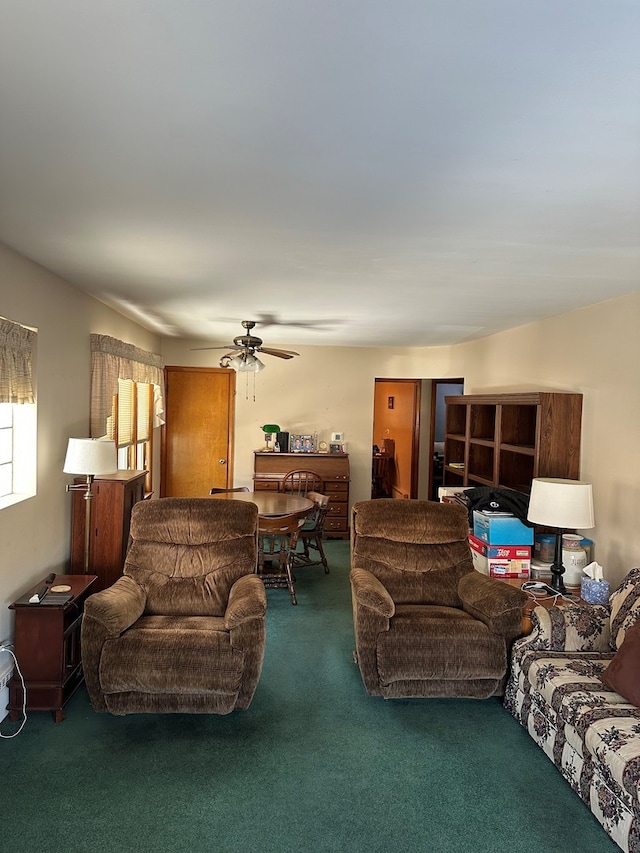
(501, 561)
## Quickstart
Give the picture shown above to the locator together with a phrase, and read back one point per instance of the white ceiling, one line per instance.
(396, 172)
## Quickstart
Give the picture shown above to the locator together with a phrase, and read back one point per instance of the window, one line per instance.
(130, 426)
(6, 449)
(18, 419)
(17, 452)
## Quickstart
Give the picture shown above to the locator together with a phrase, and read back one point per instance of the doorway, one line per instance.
(440, 388)
(396, 434)
(414, 411)
(197, 439)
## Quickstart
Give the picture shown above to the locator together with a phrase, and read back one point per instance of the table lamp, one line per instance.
(269, 430)
(563, 504)
(89, 457)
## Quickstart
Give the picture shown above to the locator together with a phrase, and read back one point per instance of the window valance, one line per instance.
(16, 353)
(111, 360)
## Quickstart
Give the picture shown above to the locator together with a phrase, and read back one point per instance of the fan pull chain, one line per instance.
(246, 386)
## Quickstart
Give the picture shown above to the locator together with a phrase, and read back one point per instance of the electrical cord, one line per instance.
(539, 591)
(24, 694)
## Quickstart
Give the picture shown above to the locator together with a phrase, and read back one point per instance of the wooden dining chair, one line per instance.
(215, 491)
(277, 541)
(311, 532)
(300, 481)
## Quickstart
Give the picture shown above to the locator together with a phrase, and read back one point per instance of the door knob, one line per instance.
(222, 461)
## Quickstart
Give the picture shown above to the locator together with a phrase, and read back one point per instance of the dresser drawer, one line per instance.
(266, 485)
(337, 508)
(336, 487)
(335, 525)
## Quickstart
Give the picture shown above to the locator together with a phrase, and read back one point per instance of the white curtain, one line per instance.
(111, 360)
(16, 351)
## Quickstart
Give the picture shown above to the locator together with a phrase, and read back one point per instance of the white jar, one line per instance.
(574, 559)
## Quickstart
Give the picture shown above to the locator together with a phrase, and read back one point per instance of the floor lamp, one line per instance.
(563, 504)
(90, 457)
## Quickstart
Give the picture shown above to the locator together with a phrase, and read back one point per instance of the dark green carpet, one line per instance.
(314, 765)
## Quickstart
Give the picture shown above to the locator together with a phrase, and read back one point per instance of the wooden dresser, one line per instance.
(270, 468)
(112, 502)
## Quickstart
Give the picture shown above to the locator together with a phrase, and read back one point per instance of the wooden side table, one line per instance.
(47, 646)
(550, 601)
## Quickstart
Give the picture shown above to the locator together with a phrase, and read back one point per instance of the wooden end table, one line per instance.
(550, 601)
(47, 646)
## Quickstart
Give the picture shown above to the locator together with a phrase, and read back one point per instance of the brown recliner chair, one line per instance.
(183, 630)
(426, 622)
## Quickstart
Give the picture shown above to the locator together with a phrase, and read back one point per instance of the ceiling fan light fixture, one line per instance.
(246, 362)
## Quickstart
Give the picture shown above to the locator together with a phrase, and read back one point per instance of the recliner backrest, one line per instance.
(187, 553)
(418, 549)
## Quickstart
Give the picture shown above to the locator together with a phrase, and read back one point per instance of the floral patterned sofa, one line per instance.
(589, 731)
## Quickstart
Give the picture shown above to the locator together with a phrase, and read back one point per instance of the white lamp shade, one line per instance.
(561, 503)
(90, 456)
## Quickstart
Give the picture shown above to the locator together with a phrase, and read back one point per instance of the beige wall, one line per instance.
(595, 351)
(35, 534)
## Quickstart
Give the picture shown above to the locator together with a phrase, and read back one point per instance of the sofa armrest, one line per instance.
(370, 592)
(107, 614)
(497, 604)
(569, 628)
(116, 608)
(247, 600)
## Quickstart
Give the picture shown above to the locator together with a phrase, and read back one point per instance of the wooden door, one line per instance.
(197, 445)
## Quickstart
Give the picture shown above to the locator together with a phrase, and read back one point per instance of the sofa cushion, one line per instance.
(598, 721)
(623, 673)
(625, 608)
(431, 642)
(150, 657)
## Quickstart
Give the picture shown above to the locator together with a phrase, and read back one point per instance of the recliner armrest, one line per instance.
(247, 600)
(370, 592)
(493, 602)
(117, 607)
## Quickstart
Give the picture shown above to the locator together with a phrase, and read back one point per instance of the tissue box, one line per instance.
(501, 528)
(594, 592)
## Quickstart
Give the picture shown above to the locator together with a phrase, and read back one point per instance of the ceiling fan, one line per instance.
(242, 355)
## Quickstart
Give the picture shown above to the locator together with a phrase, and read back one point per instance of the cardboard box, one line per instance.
(501, 561)
(501, 528)
(450, 492)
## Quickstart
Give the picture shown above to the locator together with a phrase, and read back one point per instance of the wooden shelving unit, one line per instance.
(506, 440)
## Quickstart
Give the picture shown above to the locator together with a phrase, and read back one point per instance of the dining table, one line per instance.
(270, 504)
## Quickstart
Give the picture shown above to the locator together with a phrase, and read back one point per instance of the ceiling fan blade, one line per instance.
(277, 349)
(229, 347)
(279, 353)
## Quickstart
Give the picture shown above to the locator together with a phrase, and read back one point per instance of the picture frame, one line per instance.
(336, 447)
(301, 444)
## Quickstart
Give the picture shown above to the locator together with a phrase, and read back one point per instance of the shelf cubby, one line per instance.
(481, 461)
(482, 422)
(518, 425)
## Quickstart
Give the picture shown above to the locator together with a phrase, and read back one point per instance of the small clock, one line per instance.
(323, 447)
